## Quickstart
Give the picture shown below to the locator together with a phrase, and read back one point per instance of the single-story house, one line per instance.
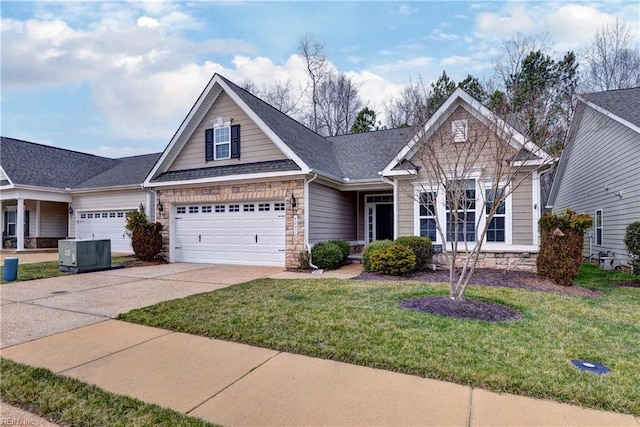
(242, 183)
(599, 171)
(49, 193)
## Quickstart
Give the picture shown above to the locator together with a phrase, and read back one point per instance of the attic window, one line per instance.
(459, 130)
(223, 141)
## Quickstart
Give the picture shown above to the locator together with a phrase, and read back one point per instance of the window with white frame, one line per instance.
(427, 215)
(11, 217)
(598, 227)
(459, 130)
(496, 230)
(461, 210)
(222, 142)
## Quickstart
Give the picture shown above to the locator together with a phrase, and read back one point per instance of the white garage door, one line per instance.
(251, 233)
(105, 225)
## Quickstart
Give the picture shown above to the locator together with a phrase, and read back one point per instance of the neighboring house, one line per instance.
(242, 183)
(49, 193)
(599, 170)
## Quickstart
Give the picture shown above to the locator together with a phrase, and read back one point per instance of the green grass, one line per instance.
(360, 322)
(44, 270)
(67, 401)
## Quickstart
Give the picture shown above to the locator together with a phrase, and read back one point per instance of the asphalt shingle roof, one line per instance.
(217, 171)
(28, 163)
(624, 103)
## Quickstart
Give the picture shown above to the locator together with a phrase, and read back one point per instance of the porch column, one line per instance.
(396, 209)
(1, 224)
(20, 225)
(37, 218)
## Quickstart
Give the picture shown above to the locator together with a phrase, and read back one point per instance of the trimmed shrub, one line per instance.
(371, 248)
(632, 241)
(561, 241)
(327, 256)
(303, 257)
(421, 247)
(344, 246)
(147, 241)
(396, 260)
(134, 219)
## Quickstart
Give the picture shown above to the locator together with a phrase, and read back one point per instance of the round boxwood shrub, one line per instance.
(421, 247)
(327, 256)
(344, 246)
(369, 249)
(396, 260)
(632, 241)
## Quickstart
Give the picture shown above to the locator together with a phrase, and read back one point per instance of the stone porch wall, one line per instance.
(276, 190)
(508, 261)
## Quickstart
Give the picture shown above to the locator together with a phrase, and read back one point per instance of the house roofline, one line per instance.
(611, 115)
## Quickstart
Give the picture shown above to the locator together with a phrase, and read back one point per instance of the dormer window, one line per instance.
(459, 130)
(223, 141)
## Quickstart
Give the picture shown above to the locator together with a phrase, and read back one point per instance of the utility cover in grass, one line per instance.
(593, 367)
(462, 309)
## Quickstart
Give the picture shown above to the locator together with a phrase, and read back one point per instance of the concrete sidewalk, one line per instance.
(236, 384)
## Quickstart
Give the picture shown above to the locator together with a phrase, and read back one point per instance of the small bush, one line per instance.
(561, 241)
(344, 246)
(134, 219)
(326, 256)
(147, 241)
(303, 258)
(632, 241)
(369, 249)
(396, 260)
(421, 247)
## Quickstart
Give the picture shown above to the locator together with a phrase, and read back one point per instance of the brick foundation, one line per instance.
(519, 261)
(268, 191)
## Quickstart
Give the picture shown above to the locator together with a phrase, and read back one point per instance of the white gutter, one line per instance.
(396, 209)
(306, 217)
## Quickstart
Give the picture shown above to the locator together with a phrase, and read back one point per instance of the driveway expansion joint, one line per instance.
(232, 383)
(469, 422)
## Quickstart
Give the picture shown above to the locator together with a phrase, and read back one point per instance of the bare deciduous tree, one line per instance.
(612, 59)
(315, 59)
(464, 169)
(409, 108)
(338, 104)
(283, 96)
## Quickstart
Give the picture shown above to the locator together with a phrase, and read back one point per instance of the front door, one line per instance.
(384, 222)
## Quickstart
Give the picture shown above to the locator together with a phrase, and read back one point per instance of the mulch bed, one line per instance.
(630, 284)
(462, 309)
(493, 277)
(479, 310)
(138, 263)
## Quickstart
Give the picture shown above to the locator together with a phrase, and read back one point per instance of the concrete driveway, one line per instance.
(39, 308)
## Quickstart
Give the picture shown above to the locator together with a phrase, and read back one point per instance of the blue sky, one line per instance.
(117, 78)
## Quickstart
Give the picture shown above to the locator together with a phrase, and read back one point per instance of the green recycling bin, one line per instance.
(10, 269)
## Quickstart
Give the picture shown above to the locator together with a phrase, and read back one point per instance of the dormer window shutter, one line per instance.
(208, 146)
(235, 141)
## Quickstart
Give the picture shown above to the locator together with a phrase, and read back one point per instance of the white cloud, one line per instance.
(573, 24)
(439, 35)
(404, 9)
(145, 21)
(507, 23)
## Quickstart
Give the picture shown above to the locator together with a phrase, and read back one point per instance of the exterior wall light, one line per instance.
(160, 207)
(294, 203)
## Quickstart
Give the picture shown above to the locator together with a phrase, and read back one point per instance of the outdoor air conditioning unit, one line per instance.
(78, 256)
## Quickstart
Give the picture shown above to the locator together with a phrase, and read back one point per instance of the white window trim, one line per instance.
(15, 223)
(460, 130)
(480, 223)
(220, 123)
(596, 228)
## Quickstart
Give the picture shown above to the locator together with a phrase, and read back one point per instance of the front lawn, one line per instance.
(44, 270)
(361, 322)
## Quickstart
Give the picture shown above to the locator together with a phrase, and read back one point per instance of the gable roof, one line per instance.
(36, 165)
(624, 104)
(460, 98)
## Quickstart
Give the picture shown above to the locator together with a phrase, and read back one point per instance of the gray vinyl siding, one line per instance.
(255, 146)
(522, 214)
(53, 219)
(332, 214)
(603, 161)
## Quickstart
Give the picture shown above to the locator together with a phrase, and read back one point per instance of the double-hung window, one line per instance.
(427, 212)
(598, 227)
(222, 143)
(11, 223)
(461, 211)
(496, 231)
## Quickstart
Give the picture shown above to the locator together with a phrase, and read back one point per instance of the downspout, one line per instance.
(396, 208)
(306, 218)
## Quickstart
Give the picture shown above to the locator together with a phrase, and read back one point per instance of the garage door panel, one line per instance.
(104, 225)
(227, 233)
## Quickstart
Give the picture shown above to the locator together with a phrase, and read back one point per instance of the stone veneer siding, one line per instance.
(275, 190)
(509, 261)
